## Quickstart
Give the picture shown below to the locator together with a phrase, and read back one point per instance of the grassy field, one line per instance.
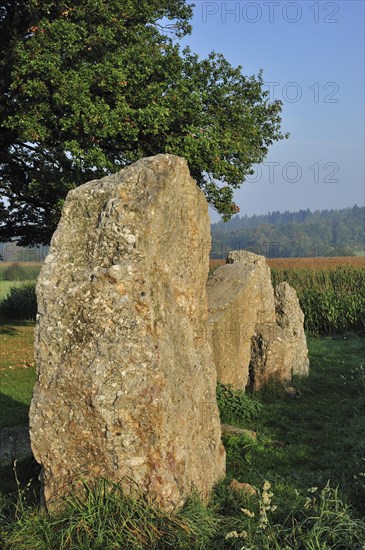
(317, 436)
(306, 463)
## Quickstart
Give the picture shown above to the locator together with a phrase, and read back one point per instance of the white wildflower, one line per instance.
(248, 512)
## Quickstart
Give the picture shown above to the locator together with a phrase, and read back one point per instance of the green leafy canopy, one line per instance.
(89, 87)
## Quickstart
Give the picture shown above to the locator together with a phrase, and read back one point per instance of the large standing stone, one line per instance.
(254, 334)
(126, 385)
(240, 299)
(280, 350)
(290, 318)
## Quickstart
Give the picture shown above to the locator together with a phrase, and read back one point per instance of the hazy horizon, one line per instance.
(242, 214)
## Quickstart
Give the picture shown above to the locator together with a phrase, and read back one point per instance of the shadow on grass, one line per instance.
(23, 476)
(23, 473)
(12, 412)
(8, 330)
(319, 434)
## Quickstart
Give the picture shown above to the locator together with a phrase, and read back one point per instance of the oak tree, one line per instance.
(88, 87)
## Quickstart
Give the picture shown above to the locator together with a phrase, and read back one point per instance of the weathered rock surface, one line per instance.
(280, 350)
(245, 488)
(255, 334)
(290, 318)
(14, 445)
(126, 385)
(240, 299)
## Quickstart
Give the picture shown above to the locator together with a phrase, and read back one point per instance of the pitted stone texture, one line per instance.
(126, 385)
(280, 351)
(240, 299)
(254, 333)
(290, 318)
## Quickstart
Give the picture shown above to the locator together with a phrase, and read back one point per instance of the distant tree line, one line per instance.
(274, 235)
(293, 234)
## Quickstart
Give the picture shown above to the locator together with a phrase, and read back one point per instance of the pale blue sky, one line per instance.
(314, 51)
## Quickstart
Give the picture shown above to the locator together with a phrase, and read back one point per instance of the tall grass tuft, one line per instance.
(322, 522)
(332, 300)
(104, 517)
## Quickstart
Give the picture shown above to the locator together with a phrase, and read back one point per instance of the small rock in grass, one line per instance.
(245, 488)
(292, 392)
(227, 429)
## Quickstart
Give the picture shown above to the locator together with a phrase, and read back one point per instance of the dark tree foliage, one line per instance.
(89, 87)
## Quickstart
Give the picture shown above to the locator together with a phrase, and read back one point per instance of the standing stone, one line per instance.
(280, 350)
(240, 301)
(126, 384)
(290, 319)
(255, 334)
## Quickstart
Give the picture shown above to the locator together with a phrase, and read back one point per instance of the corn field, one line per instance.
(333, 300)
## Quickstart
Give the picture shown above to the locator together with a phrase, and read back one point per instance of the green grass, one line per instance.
(17, 373)
(15, 395)
(306, 465)
(316, 437)
(5, 287)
